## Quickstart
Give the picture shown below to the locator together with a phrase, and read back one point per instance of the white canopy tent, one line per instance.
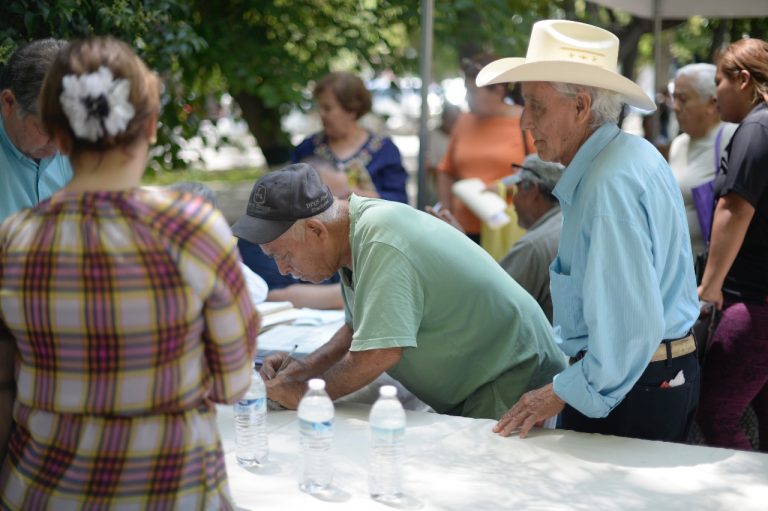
(680, 9)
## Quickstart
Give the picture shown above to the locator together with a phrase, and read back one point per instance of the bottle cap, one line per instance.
(387, 391)
(316, 384)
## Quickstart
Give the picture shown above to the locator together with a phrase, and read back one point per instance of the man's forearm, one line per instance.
(359, 368)
(320, 360)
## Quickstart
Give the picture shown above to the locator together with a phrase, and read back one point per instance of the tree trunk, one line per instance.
(717, 40)
(264, 123)
(469, 19)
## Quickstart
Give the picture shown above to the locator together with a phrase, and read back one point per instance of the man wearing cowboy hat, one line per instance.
(623, 287)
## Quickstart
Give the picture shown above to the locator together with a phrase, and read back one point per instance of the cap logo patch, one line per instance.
(260, 195)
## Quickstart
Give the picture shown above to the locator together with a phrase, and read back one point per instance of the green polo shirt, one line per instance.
(474, 339)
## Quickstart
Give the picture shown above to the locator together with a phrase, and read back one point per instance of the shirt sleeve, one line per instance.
(231, 321)
(388, 300)
(304, 149)
(388, 174)
(747, 161)
(623, 312)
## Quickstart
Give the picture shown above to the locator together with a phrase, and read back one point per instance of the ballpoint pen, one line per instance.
(287, 359)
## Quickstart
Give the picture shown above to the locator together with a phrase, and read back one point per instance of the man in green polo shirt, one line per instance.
(423, 302)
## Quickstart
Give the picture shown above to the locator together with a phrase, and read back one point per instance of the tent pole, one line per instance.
(427, 8)
(657, 80)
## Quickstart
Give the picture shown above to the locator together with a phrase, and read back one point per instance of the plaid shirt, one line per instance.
(131, 318)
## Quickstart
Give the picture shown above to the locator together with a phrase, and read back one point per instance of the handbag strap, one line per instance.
(717, 171)
(718, 137)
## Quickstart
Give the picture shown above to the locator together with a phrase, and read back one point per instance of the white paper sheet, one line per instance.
(308, 338)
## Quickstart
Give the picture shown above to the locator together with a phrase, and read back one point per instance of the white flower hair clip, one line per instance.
(95, 103)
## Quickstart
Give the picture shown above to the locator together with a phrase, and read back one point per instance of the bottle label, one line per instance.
(388, 434)
(316, 428)
(246, 405)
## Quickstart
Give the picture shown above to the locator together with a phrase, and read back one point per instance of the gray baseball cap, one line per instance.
(280, 198)
(536, 170)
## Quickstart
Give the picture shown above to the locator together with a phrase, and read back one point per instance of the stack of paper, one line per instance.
(282, 313)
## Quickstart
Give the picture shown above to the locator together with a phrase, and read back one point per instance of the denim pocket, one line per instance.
(657, 413)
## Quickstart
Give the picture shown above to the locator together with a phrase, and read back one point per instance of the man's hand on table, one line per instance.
(532, 409)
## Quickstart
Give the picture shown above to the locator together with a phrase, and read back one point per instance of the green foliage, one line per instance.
(239, 175)
(272, 49)
(157, 29)
(465, 27)
(267, 52)
(699, 39)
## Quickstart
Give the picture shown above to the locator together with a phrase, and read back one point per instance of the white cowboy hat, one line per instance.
(569, 52)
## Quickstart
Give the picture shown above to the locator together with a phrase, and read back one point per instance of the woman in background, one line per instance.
(371, 162)
(484, 144)
(736, 275)
(127, 308)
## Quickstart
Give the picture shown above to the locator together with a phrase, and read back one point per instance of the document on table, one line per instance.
(278, 313)
(308, 338)
(267, 308)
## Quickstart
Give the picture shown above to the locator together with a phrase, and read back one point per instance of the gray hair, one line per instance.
(25, 71)
(328, 216)
(702, 78)
(196, 189)
(606, 104)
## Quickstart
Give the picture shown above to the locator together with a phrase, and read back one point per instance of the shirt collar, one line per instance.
(760, 106)
(582, 161)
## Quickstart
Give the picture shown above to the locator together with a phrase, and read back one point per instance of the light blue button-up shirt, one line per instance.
(25, 182)
(623, 279)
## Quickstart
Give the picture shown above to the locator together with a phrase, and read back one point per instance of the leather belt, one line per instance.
(677, 348)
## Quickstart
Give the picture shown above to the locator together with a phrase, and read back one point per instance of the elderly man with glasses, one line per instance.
(31, 168)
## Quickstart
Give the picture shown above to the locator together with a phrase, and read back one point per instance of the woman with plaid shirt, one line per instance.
(127, 309)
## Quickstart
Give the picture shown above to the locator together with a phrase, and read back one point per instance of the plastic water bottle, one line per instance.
(251, 447)
(387, 447)
(315, 415)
